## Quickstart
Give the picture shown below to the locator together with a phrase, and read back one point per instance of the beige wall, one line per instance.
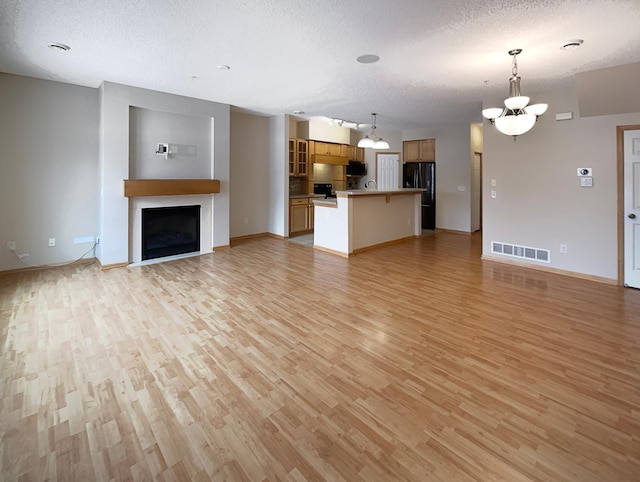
(48, 169)
(539, 199)
(249, 168)
(453, 206)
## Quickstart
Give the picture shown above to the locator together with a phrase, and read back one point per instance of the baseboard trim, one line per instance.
(381, 245)
(549, 269)
(453, 231)
(221, 248)
(49, 266)
(331, 251)
(105, 267)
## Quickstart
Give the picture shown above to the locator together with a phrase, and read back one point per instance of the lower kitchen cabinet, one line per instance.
(300, 216)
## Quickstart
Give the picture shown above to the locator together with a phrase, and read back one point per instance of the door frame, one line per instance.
(620, 145)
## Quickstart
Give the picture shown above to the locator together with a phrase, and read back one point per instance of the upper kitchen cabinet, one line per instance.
(298, 157)
(328, 148)
(327, 153)
(348, 151)
(421, 150)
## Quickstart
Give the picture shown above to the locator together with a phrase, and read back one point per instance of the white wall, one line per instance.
(115, 101)
(278, 178)
(453, 207)
(189, 139)
(539, 199)
(250, 190)
(48, 169)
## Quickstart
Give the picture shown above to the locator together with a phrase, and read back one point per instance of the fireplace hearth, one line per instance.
(169, 231)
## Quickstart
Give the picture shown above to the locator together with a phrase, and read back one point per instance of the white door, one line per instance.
(388, 168)
(476, 192)
(632, 208)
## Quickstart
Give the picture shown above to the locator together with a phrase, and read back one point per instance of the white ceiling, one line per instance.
(288, 55)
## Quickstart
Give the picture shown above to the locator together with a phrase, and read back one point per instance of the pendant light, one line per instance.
(372, 140)
(516, 117)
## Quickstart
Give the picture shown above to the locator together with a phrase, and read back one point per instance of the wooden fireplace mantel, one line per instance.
(170, 187)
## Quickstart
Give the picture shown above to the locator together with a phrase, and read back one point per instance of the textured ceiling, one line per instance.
(287, 55)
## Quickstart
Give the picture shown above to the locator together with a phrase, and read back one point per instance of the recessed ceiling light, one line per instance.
(572, 44)
(298, 112)
(224, 67)
(57, 46)
(194, 77)
(368, 59)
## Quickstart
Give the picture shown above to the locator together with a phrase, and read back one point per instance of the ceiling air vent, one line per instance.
(523, 252)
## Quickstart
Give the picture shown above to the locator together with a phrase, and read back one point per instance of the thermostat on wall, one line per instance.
(585, 171)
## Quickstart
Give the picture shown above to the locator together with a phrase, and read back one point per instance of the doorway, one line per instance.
(476, 192)
(388, 170)
(628, 140)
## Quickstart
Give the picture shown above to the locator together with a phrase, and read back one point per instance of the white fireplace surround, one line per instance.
(137, 204)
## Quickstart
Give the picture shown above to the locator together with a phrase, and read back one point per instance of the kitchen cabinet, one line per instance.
(359, 154)
(348, 151)
(421, 150)
(298, 157)
(327, 148)
(300, 215)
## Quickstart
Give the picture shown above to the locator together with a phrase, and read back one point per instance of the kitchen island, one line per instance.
(363, 219)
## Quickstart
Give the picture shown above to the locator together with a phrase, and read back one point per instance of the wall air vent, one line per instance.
(523, 252)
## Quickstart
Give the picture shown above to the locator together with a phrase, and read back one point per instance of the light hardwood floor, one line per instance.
(271, 361)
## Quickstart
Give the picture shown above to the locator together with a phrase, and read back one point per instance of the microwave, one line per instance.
(355, 168)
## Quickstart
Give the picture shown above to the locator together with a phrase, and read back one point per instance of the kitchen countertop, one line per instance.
(373, 192)
(306, 196)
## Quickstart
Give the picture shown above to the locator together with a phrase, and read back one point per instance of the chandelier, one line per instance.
(516, 117)
(372, 140)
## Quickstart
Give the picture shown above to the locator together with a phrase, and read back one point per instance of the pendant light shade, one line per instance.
(381, 144)
(516, 118)
(366, 141)
(372, 140)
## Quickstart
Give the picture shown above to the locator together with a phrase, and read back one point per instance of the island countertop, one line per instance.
(377, 192)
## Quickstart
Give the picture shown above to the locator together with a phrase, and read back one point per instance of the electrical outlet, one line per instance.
(563, 248)
(494, 194)
(246, 221)
(11, 245)
(52, 242)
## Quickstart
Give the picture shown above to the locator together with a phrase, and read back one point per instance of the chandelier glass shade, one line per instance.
(371, 140)
(517, 117)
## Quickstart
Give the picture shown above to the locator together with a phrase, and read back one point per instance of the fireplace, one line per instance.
(168, 231)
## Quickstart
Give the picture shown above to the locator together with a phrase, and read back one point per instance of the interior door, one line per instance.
(476, 192)
(388, 168)
(632, 208)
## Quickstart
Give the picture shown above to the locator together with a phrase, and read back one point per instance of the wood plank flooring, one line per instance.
(272, 361)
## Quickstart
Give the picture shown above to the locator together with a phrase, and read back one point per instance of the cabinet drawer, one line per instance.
(297, 202)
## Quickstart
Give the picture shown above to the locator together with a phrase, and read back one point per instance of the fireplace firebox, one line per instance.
(169, 231)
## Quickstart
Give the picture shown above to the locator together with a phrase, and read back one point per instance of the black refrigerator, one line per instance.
(422, 175)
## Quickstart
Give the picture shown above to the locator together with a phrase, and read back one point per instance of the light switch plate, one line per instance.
(586, 181)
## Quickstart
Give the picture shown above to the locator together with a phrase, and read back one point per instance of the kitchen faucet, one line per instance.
(368, 183)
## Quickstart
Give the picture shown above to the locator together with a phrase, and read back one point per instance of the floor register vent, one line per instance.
(524, 252)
